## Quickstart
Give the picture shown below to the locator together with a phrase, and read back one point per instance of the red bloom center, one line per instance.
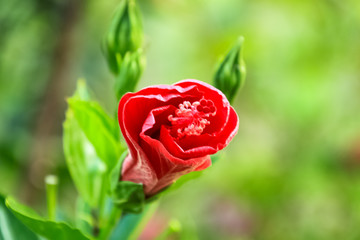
(192, 118)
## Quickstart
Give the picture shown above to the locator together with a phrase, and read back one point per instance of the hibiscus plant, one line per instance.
(121, 166)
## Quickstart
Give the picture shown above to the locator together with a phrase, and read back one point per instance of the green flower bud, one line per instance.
(231, 71)
(130, 72)
(125, 34)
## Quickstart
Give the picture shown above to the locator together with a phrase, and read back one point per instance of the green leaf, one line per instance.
(100, 130)
(10, 227)
(91, 146)
(129, 196)
(86, 168)
(48, 229)
(83, 218)
(81, 92)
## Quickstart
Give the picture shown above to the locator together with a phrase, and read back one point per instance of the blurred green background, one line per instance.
(292, 172)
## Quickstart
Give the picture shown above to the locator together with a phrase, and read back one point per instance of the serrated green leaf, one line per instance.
(129, 196)
(10, 227)
(48, 229)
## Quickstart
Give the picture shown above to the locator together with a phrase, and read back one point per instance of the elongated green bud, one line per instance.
(130, 72)
(230, 73)
(125, 34)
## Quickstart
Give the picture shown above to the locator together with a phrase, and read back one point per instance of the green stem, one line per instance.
(110, 224)
(131, 225)
(95, 223)
(51, 182)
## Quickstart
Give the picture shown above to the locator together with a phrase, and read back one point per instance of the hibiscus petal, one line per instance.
(222, 105)
(169, 167)
(176, 150)
(216, 140)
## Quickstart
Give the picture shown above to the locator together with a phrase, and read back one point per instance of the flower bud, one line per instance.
(130, 72)
(125, 34)
(231, 71)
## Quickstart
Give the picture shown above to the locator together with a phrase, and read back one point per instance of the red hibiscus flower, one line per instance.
(171, 130)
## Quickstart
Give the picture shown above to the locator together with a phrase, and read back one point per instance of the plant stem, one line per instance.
(51, 182)
(95, 224)
(131, 225)
(112, 220)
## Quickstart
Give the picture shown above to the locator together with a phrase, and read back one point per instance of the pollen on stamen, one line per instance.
(190, 118)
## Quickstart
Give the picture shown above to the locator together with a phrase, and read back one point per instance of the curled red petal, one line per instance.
(168, 167)
(175, 149)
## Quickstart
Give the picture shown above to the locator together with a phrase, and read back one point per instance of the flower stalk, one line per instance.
(131, 225)
(110, 223)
